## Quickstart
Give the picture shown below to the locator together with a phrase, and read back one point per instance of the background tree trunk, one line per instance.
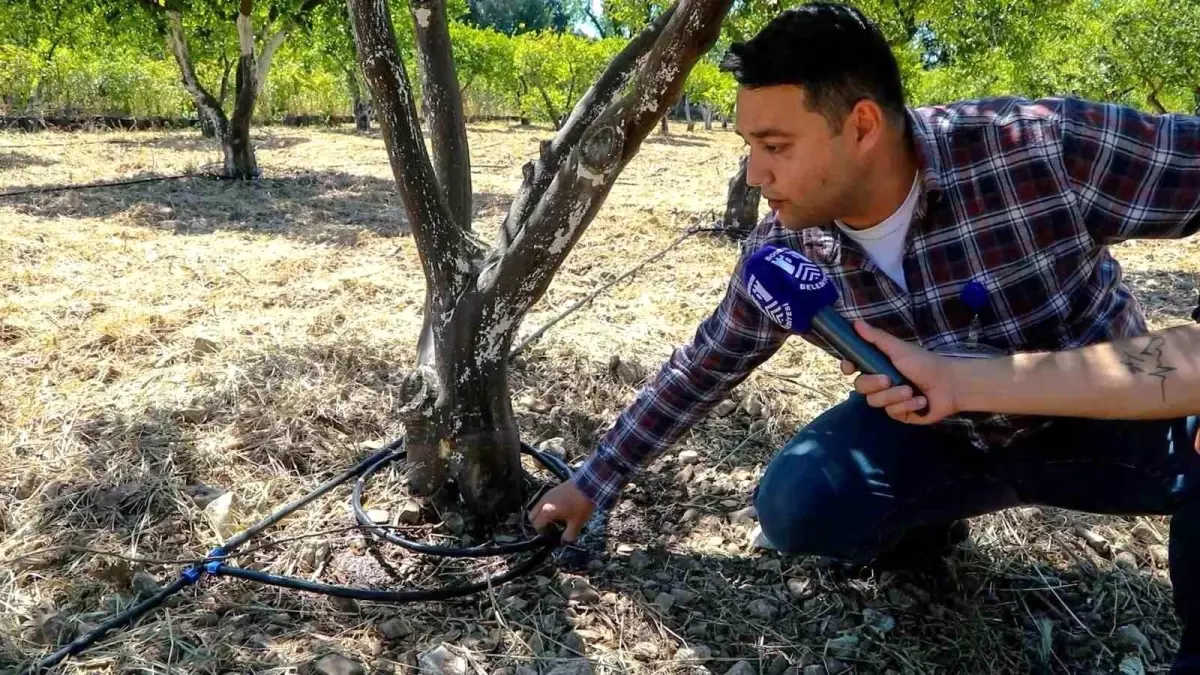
(708, 115)
(741, 205)
(240, 161)
(458, 419)
(687, 114)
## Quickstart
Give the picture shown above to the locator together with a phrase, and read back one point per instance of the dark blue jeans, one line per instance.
(854, 480)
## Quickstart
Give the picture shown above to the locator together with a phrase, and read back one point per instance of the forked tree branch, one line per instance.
(584, 180)
(542, 170)
(205, 103)
(443, 101)
(446, 252)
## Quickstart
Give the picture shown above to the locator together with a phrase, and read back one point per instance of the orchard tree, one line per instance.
(279, 19)
(459, 421)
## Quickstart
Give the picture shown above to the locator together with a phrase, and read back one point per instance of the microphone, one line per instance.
(797, 295)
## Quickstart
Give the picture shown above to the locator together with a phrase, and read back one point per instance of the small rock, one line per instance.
(454, 522)
(441, 661)
(698, 654)
(395, 629)
(1096, 542)
(685, 475)
(763, 609)
(639, 560)
(834, 667)
(771, 566)
(203, 346)
(759, 426)
(778, 665)
(884, 623)
(724, 408)
(570, 667)
(555, 446)
(336, 664)
(1132, 636)
(382, 667)
(194, 415)
(814, 669)
(347, 605)
(144, 584)
(1126, 560)
(1131, 665)
(358, 545)
(697, 630)
(844, 646)
(742, 668)
(688, 457)
(219, 513)
(1159, 554)
(1146, 534)
(579, 590)
(629, 372)
(753, 405)
(689, 516)
(410, 513)
(203, 495)
(664, 602)
(683, 597)
(744, 516)
(798, 588)
(378, 516)
(645, 651)
(573, 645)
(525, 670)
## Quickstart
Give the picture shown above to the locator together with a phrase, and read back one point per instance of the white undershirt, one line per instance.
(884, 242)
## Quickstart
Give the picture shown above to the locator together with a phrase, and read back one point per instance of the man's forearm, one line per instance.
(1155, 376)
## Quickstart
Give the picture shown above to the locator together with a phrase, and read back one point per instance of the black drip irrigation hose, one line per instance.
(214, 564)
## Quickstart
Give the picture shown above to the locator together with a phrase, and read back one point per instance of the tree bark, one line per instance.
(708, 115)
(443, 100)
(458, 419)
(240, 160)
(687, 114)
(362, 109)
(741, 204)
(208, 108)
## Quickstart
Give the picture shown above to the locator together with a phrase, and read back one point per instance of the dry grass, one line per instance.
(253, 337)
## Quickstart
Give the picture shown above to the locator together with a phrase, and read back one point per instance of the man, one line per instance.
(905, 209)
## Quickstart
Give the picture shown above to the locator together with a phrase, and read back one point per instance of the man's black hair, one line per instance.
(832, 51)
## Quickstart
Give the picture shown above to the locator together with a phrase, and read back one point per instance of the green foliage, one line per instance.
(518, 57)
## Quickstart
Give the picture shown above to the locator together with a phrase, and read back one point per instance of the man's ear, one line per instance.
(866, 122)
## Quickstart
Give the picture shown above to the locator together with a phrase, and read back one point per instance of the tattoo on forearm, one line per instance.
(1150, 361)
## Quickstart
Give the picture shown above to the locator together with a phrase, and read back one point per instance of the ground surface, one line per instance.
(162, 344)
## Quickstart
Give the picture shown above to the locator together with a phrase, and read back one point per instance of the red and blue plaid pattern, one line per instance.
(1023, 197)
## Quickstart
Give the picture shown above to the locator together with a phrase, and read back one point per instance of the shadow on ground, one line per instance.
(659, 139)
(196, 142)
(18, 160)
(325, 206)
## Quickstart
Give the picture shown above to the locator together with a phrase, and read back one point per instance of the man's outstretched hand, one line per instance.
(931, 373)
(564, 504)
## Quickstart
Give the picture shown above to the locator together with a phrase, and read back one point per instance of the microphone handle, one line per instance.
(846, 341)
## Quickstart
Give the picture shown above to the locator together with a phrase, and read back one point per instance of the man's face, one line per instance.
(806, 172)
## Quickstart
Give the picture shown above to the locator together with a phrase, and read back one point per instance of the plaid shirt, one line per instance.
(1021, 196)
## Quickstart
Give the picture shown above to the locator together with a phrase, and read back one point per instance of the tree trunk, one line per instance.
(741, 205)
(208, 108)
(1154, 101)
(458, 420)
(708, 115)
(239, 158)
(664, 126)
(447, 124)
(207, 128)
(687, 114)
